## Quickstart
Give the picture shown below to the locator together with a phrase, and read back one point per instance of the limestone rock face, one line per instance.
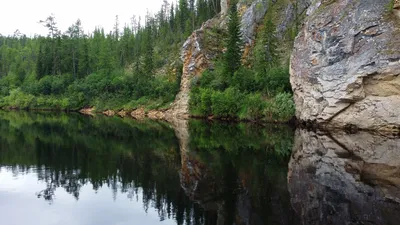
(338, 178)
(345, 65)
(196, 55)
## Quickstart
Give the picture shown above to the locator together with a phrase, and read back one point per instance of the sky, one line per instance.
(24, 15)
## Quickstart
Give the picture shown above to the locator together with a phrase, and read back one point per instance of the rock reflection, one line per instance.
(345, 178)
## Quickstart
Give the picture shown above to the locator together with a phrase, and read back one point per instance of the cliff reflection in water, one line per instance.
(193, 173)
(345, 178)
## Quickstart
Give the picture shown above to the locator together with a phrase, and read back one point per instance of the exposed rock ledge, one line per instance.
(345, 67)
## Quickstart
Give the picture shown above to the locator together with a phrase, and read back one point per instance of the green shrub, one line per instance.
(226, 104)
(19, 99)
(274, 81)
(244, 80)
(253, 107)
(281, 108)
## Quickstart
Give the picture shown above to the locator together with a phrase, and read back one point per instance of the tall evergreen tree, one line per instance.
(266, 54)
(233, 43)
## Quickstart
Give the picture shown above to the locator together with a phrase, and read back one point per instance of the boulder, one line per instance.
(109, 113)
(138, 114)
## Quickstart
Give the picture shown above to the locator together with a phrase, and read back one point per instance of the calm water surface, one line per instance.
(58, 169)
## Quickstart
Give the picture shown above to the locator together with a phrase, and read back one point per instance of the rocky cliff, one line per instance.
(345, 65)
(206, 43)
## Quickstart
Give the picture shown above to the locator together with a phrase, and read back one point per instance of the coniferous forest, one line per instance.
(139, 65)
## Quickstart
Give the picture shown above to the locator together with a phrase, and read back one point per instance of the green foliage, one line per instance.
(253, 107)
(390, 5)
(18, 99)
(71, 69)
(233, 43)
(281, 108)
(274, 81)
(265, 53)
(233, 91)
(225, 104)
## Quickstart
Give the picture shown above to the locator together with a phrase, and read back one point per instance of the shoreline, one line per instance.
(169, 116)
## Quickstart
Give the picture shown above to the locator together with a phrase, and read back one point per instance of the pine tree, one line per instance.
(233, 43)
(266, 54)
(148, 54)
(184, 13)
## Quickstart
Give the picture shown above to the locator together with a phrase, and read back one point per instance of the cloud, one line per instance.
(25, 14)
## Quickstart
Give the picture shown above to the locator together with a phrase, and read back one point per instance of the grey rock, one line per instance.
(345, 65)
(251, 17)
(224, 7)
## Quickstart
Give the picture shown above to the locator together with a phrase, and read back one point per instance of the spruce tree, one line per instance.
(233, 43)
(266, 54)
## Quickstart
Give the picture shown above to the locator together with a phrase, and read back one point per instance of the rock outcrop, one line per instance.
(196, 56)
(345, 66)
(204, 45)
(345, 179)
(109, 113)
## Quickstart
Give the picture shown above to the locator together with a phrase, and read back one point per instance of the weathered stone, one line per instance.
(109, 113)
(156, 115)
(88, 111)
(338, 178)
(346, 63)
(138, 114)
(122, 113)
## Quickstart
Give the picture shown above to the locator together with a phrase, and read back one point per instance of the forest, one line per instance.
(139, 66)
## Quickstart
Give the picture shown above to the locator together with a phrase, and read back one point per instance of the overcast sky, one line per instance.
(25, 14)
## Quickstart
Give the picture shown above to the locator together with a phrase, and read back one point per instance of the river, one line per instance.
(61, 169)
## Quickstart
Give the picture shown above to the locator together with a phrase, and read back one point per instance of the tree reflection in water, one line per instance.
(224, 174)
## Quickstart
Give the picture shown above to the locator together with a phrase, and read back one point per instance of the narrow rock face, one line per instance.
(345, 65)
(196, 56)
(224, 6)
(342, 178)
(250, 18)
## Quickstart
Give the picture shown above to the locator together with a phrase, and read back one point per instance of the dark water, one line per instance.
(58, 169)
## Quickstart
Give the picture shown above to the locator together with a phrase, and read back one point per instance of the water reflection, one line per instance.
(345, 178)
(239, 174)
(183, 173)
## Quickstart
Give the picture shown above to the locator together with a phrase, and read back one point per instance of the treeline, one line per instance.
(258, 89)
(73, 69)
